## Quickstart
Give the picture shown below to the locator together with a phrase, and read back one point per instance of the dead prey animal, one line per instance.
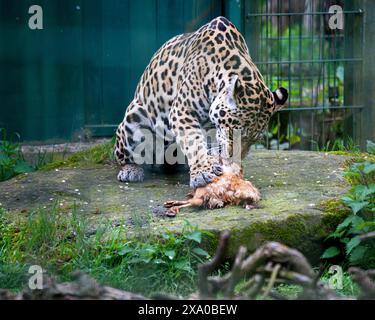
(229, 188)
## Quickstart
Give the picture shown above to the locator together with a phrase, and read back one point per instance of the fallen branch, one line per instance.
(82, 288)
(364, 281)
(270, 264)
(204, 270)
(367, 236)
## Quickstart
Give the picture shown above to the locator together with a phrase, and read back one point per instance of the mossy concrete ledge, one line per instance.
(296, 187)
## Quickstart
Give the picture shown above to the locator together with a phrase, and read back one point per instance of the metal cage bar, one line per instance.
(294, 47)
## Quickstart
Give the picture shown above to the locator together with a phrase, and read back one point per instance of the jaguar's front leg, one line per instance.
(203, 167)
(203, 170)
(192, 140)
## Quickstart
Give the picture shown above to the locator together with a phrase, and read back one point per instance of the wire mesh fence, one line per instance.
(294, 46)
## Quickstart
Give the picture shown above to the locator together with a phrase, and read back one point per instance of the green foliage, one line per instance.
(99, 154)
(361, 200)
(310, 85)
(62, 243)
(370, 147)
(95, 155)
(289, 291)
(330, 252)
(304, 80)
(293, 134)
(12, 162)
(339, 144)
(349, 288)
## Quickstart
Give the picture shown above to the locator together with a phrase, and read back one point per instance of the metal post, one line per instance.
(368, 113)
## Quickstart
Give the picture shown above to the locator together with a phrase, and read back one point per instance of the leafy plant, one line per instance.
(289, 134)
(339, 144)
(361, 200)
(348, 287)
(12, 161)
(310, 85)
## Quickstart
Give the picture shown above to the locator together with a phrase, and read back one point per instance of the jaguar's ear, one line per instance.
(280, 95)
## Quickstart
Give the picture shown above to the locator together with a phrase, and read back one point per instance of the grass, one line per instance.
(289, 291)
(339, 145)
(100, 154)
(12, 161)
(61, 243)
(355, 156)
(348, 288)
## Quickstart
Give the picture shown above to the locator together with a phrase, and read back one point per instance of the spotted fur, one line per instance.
(194, 81)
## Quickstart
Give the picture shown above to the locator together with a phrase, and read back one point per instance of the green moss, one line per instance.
(292, 232)
(99, 154)
(279, 184)
(289, 232)
(355, 156)
(304, 232)
(286, 214)
(334, 213)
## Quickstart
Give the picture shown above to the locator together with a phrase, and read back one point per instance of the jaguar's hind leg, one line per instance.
(131, 173)
(128, 137)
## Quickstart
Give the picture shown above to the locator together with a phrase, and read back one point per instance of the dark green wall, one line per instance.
(81, 70)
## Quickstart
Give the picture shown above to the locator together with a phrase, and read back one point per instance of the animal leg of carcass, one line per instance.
(175, 206)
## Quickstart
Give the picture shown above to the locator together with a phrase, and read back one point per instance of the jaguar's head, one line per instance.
(244, 106)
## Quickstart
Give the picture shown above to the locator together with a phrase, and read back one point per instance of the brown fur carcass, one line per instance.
(229, 188)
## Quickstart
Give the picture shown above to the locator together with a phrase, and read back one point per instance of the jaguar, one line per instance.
(197, 81)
